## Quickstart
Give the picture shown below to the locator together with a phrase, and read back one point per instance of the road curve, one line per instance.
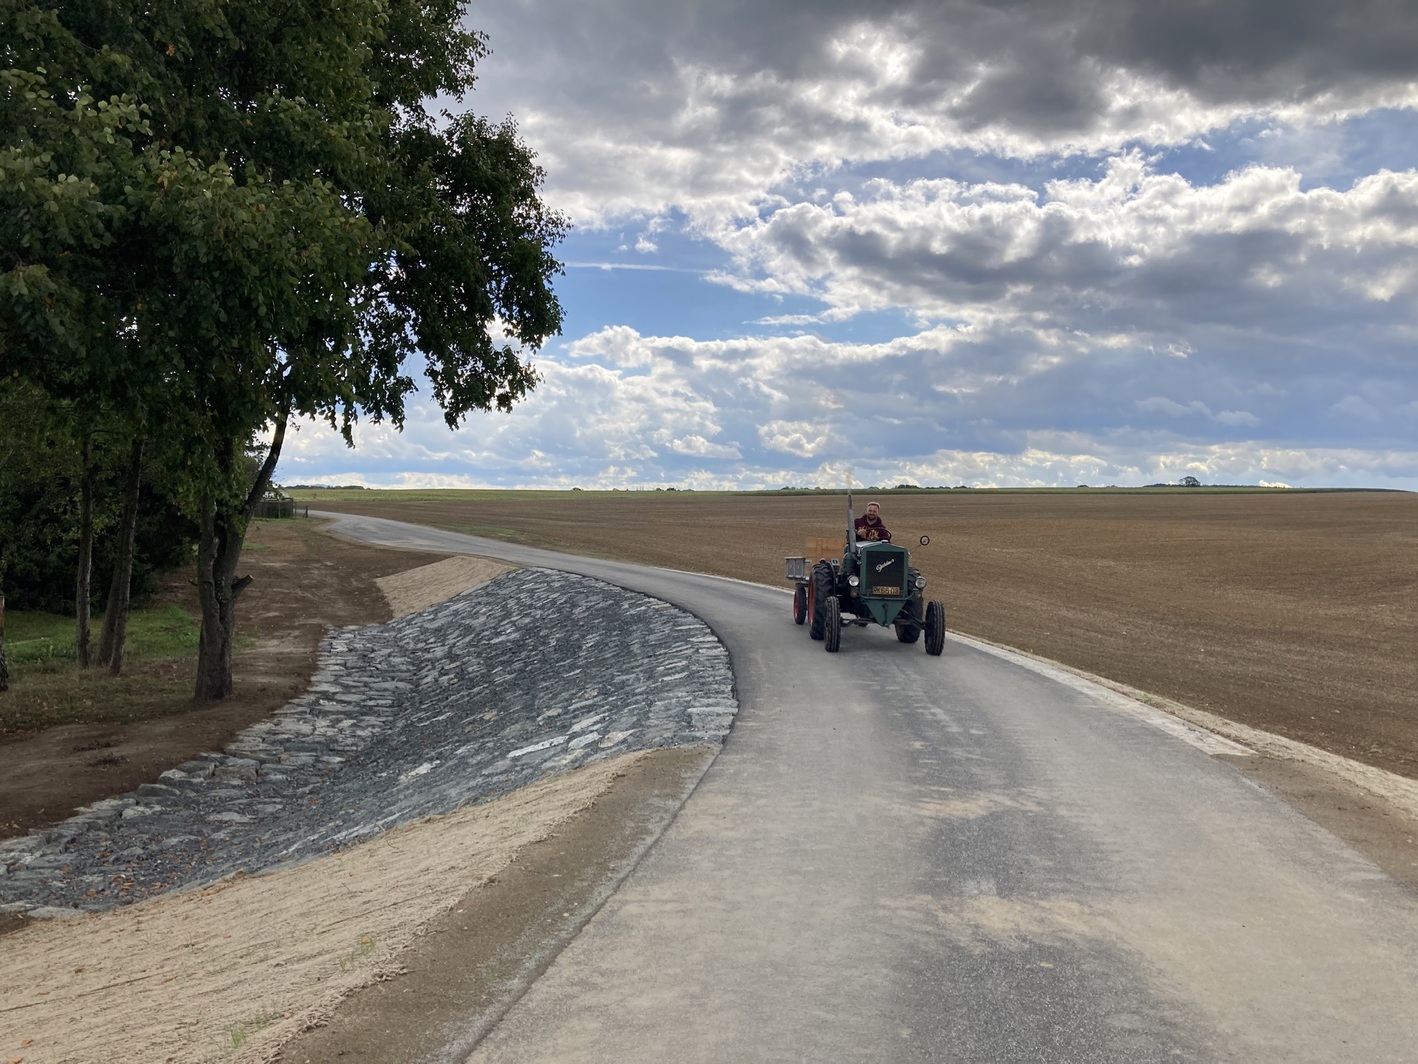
(905, 858)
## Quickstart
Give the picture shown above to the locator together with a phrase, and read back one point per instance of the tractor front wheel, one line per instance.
(799, 603)
(935, 628)
(822, 588)
(833, 633)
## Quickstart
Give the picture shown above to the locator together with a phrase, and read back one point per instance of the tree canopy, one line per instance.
(215, 216)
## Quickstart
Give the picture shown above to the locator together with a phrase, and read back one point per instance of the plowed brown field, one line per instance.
(1292, 612)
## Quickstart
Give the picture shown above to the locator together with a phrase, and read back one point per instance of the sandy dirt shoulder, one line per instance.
(427, 585)
(231, 972)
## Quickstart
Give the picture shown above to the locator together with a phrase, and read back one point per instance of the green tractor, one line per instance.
(873, 582)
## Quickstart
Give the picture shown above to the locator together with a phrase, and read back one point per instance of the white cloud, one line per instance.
(1357, 407)
(1134, 242)
(800, 438)
(1159, 405)
(1237, 417)
(1047, 458)
(698, 447)
(982, 405)
(618, 345)
(1195, 408)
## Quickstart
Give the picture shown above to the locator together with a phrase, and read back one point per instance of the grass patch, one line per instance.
(44, 642)
(363, 948)
(47, 687)
(240, 1032)
(38, 642)
(162, 631)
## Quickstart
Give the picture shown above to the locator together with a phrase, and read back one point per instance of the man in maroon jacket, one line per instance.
(869, 525)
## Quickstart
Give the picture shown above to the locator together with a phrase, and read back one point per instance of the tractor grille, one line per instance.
(885, 574)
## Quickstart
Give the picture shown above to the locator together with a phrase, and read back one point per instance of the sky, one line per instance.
(1015, 243)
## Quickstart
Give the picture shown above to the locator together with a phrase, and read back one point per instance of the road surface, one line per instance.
(906, 858)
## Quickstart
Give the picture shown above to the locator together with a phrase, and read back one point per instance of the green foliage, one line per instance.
(39, 473)
(227, 212)
(44, 548)
(65, 159)
(472, 240)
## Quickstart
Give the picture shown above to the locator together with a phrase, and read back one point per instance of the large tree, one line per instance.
(231, 214)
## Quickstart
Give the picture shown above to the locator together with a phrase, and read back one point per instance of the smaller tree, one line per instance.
(115, 617)
(4, 662)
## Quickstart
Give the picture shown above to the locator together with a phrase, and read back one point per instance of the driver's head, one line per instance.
(873, 509)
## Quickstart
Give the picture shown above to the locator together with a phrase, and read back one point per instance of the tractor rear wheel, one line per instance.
(833, 633)
(935, 628)
(824, 587)
(799, 603)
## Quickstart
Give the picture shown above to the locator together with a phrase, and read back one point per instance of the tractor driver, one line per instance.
(869, 525)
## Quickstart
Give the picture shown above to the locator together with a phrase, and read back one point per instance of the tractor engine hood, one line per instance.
(883, 571)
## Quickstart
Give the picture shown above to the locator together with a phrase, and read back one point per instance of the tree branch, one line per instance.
(268, 467)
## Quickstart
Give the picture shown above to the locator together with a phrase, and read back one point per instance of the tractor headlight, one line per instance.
(920, 583)
(853, 580)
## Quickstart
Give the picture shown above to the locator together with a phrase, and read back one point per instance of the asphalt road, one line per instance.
(905, 858)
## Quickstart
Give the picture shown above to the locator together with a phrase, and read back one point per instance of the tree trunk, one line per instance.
(115, 618)
(82, 589)
(223, 532)
(217, 593)
(4, 665)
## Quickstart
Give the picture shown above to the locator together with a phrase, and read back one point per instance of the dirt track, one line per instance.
(1295, 613)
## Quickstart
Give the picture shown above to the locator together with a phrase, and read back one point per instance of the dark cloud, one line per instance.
(1055, 94)
(1029, 64)
(1255, 50)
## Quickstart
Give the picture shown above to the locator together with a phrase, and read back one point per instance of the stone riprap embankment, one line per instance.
(533, 673)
